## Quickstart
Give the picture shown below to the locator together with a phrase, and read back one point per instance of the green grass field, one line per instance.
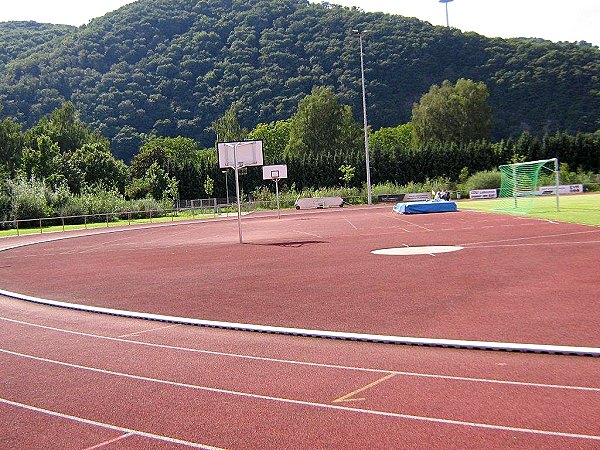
(581, 208)
(33, 229)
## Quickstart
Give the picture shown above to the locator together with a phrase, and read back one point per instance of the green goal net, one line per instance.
(520, 184)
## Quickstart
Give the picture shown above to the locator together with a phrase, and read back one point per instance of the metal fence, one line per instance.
(201, 209)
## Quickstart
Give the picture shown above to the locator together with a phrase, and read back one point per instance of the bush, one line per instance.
(96, 200)
(487, 179)
(28, 199)
(142, 207)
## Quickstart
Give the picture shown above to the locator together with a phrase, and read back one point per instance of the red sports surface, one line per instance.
(77, 380)
(514, 280)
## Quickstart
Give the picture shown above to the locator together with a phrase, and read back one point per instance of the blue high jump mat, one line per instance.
(425, 207)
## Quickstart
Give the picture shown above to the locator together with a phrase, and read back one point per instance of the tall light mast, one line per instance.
(446, 2)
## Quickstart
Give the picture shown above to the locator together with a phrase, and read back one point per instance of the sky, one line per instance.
(565, 20)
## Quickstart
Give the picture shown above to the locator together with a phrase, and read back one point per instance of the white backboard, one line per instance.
(247, 153)
(275, 172)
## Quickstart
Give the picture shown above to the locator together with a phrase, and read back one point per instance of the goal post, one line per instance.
(520, 183)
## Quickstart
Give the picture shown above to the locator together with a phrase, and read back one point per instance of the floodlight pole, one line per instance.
(364, 100)
(557, 181)
(446, 2)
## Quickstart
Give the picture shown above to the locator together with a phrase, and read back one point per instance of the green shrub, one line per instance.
(28, 199)
(96, 200)
(487, 179)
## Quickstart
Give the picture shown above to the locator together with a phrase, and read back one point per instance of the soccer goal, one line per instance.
(520, 184)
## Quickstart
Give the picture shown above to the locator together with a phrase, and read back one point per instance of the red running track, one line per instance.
(515, 280)
(75, 380)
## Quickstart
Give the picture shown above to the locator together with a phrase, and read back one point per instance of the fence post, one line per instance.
(41, 230)
(106, 220)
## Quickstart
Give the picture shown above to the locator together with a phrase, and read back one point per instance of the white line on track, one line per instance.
(109, 426)
(110, 441)
(533, 244)
(532, 237)
(309, 234)
(307, 363)
(307, 403)
(148, 331)
(411, 223)
(353, 226)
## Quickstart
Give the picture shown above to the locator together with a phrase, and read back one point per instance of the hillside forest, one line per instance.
(133, 103)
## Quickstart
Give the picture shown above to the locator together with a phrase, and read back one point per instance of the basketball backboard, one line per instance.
(275, 172)
(247, 153)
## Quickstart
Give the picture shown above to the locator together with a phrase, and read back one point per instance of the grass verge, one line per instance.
(578, 208)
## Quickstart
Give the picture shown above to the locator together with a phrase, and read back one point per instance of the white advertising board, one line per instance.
(483, 193)
(417, 197)
(562, 189)
(319, 202)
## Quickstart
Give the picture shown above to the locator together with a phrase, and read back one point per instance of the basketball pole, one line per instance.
(277, 194)
(237, 191)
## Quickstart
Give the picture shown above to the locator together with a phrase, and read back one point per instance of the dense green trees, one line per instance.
(453, 113)
(11, 144)
(321, 125)
(173, 67)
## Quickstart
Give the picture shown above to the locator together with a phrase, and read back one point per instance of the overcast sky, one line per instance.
(565, 20)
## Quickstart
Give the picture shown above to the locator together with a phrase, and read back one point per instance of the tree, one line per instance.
(453, 113)
(156, 183)
(228, 128)
(348, 173)
(64, 127)
(209, 185)
(99, 167)
(389, 140)
(275, 137)
(323, 126)
(41, 159)
(179, 157)
(11, 146)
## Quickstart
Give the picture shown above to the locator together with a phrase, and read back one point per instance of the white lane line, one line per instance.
(311, 404)
(109, 426)
(411, 223)
(532, 244)
(148, 331)
(353, 226)
(110, 441)
(310, 364)
(307, 233)
(533, 237)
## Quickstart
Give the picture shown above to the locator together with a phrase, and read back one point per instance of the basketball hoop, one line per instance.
(239, 156)
(275, 173)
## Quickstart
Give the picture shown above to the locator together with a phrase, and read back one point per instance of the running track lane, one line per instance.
(234, 390)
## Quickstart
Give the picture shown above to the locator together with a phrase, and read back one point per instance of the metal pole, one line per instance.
(557, 178)
(277, 194)
(226, 186)
(237, 191)
(447, 20)
(366, 130)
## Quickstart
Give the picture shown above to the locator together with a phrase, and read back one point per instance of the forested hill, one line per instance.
(171, 67)
(18, 38)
